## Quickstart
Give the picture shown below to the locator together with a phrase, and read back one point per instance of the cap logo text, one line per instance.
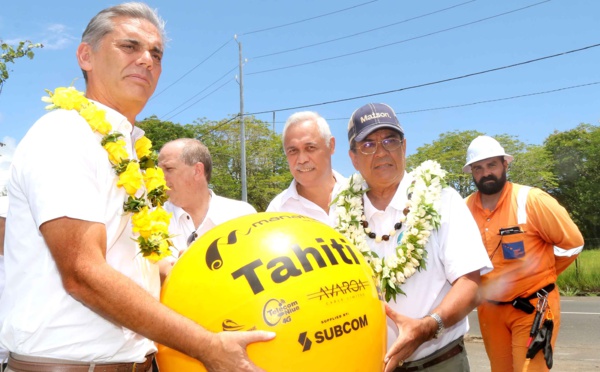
(375, 115)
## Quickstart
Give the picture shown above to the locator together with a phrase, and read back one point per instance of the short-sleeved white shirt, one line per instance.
(220, 210)
(290, 201)
(454, 250)
(60, 170)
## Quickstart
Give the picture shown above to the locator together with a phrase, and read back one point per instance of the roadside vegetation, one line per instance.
(582, 278)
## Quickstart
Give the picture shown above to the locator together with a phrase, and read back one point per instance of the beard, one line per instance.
(491, 188)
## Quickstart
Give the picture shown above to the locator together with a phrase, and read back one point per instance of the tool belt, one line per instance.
(522, 303)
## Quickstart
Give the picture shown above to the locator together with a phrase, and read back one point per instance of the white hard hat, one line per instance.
(484, 147)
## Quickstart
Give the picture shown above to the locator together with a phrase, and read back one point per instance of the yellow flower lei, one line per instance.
(151, 226)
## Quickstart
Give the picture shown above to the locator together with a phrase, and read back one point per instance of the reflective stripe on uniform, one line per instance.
(522, 205)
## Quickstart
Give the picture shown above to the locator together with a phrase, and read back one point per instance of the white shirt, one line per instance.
(3, 211)
(220, 210)
(290, 201)
(60, 169)
(454, 250)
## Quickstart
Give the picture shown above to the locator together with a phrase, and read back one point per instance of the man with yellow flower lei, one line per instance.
(85, 224)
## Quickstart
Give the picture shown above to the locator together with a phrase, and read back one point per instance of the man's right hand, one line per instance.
(228, 351)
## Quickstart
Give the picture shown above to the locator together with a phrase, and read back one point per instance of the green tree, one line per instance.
(449, 150)
(532, 164)
(267, 172)
(161, 132)
(576, 155)
(10, 53)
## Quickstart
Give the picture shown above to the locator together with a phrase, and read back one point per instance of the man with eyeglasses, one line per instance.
(187, 165)
(308, 146)
(427, 323)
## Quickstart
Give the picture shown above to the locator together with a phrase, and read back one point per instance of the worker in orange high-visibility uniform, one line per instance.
(530, 239)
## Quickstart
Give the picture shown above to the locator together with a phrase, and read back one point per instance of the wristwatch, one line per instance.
(440, 324)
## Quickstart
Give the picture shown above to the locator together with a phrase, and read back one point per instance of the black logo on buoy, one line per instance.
(304, 341)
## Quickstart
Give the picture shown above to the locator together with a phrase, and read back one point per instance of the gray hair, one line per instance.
(302, 116)
(194, 151)
(102, 23)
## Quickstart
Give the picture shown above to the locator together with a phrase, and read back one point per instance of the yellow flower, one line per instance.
(161, 219)
(154, 178)
(116, 152)
(131, 178)
(142, 223)
(158, 253)
(151, 225)
(67, 98)
(160, 214)
(96, 118)
(142, 147)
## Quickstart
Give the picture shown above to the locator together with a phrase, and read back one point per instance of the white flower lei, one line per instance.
(423, 217)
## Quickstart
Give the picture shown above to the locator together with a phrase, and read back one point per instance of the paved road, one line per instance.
(578, 345)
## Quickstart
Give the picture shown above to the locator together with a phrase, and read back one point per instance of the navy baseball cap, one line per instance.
(371, 117)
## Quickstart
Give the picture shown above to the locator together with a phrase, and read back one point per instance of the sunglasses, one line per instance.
(191, 238)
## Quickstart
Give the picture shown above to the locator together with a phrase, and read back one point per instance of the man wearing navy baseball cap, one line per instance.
(421, 241)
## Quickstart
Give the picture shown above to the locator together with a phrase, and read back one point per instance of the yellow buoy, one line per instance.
(285, 273)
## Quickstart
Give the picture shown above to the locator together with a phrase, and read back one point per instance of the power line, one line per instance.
(498, 99)
(192, 69)
(482, 102)
(309, 19)
(209, 94)
(394, 43)
(220, 125)
(362, 32)
(430, 83)
(438, 108)
(200, 92)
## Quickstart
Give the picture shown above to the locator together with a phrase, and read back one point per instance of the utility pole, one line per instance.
(242, 127)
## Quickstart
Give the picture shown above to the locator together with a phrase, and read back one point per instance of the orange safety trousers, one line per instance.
(505, 332)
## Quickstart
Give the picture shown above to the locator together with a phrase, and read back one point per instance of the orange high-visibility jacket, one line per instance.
(530, 239)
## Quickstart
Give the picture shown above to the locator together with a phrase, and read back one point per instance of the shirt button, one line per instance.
(488, 220)
(188, 217)
(486, 229)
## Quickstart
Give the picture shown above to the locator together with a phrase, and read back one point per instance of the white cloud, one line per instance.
(57, 36)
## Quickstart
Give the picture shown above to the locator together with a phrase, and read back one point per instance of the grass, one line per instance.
(583, 276)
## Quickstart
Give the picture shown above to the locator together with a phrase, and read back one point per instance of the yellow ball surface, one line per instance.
(285, 273)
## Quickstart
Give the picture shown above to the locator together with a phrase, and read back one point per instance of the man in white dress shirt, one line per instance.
(427, 324)
(308, 146)
(79, 296)
(187, 165)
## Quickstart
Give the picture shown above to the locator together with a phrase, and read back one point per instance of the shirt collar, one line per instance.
(398, 202)
(506, 190)
(292, 191)
(119, 122)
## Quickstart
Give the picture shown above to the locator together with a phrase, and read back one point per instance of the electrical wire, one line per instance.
(219, 126)
(498, 99)
(396, 42)
(192, 69)
(431, 83)
(200, 92)
(308, 19)
(362, 32)
(209, 94)
(481, 102)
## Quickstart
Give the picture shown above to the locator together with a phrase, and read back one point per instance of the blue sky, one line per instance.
(422, 43)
